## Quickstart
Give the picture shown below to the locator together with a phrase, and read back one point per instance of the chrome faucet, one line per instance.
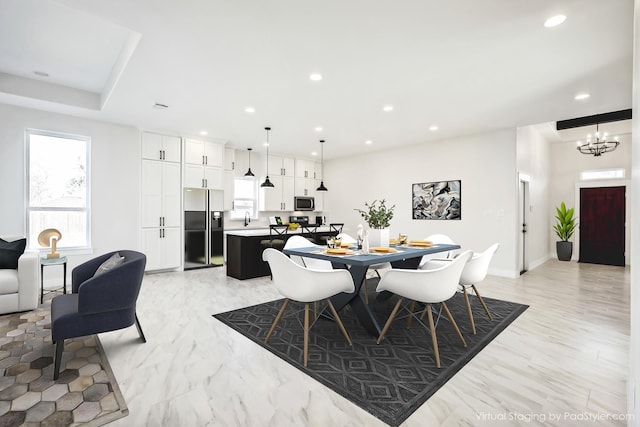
(247, 219)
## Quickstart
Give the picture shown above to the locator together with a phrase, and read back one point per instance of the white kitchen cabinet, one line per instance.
(229, 159)
(161, 191)
(280, 197)
(228, 190)
(280, 165)
(162, 248)
(160, 194)
(160, 147)
(307, 169)
(207, 177)
(205, 153)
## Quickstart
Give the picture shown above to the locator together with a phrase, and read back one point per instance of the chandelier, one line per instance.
(599, 146)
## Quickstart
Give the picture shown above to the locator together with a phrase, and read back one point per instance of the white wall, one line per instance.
(115, 176)
(566, 165)
(633, 381)
(533, 160)
(486, 165)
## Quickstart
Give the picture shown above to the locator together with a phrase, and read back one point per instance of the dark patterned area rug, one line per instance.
(86, 392)
(390, 380)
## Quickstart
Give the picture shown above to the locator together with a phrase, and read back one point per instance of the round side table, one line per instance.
(53, 261)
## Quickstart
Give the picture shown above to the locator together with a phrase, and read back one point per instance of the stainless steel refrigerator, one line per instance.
(203, 230)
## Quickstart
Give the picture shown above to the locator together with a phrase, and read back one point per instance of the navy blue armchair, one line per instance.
(103, 303)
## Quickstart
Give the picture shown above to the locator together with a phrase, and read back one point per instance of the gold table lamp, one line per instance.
(50, 237)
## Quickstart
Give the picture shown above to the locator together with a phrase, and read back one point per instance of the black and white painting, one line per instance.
(437, 200)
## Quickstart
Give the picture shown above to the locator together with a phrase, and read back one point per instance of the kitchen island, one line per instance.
(244, 250)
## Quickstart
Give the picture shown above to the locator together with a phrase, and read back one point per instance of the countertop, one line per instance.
(248, 232)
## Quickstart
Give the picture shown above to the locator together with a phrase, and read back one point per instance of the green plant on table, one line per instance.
(566, 223)
(377, 215)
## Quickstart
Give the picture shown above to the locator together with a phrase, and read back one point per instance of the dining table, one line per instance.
(358, 262)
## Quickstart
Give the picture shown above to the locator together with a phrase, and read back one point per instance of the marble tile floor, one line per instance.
(563, 360)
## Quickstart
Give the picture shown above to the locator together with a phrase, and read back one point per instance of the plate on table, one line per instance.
(382, 249)
(338, 251)
(421, 243)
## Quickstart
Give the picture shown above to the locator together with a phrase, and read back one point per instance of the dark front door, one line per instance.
(602, 216)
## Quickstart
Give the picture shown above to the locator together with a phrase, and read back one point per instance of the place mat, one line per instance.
(86, 392)
(390, 380)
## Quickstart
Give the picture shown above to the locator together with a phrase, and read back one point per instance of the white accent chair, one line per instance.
(375, 267)
(474, 272)
(19, 288)
(300, 242)
(306, 285)
(425, 286)
(436, 239)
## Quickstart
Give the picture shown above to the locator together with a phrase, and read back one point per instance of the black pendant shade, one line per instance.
(266, 182)
(322, 187)
(249, 173)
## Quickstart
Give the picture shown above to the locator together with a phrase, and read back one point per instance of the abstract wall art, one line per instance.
(437, 200)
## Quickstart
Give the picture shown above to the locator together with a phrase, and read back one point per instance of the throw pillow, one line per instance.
(109, 264)
(10, 252)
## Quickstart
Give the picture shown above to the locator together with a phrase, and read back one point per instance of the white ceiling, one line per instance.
(467, 66)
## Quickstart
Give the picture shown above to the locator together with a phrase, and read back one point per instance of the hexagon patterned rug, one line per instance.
(86, 392)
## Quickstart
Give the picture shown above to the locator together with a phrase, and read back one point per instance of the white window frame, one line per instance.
(85, 210)
(235, 215)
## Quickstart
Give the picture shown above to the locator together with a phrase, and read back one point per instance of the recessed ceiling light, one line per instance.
(249, 110)
(433, 128)
(41, 73)
(387, 108)
(266, 144)
(204, 132)
(318, 129)
(314, 153)
(368, 142)
(554, 21)
(316, 77)
(160, 106)
(581, 96)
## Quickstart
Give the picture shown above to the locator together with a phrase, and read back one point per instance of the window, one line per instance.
(58, 187)
(245, 198)
(602, 174)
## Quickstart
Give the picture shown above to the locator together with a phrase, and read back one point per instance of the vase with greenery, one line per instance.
(378, 216)
(564, 228)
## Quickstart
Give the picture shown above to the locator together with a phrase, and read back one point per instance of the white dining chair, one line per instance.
(425, 286)
(474, 272)
(437, 239)
(375, 267)
(306, 285)
(300, 242)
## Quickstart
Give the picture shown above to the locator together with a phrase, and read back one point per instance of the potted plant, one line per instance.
(564, 228)
(378, 216)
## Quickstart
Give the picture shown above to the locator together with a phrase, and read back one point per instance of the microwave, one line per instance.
(303, 204)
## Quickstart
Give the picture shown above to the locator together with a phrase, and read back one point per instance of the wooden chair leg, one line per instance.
(424, 312)
(306, 333)
(339, 321)
(434, 339)
(466, 298)
(389, 320)
(275, 322)
(142, 337)
(482, 302)
(56, 364)
(453, 322)
(412, 306)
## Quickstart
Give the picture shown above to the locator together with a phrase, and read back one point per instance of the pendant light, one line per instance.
(266, 182)
(322, 187)
(249, 173)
